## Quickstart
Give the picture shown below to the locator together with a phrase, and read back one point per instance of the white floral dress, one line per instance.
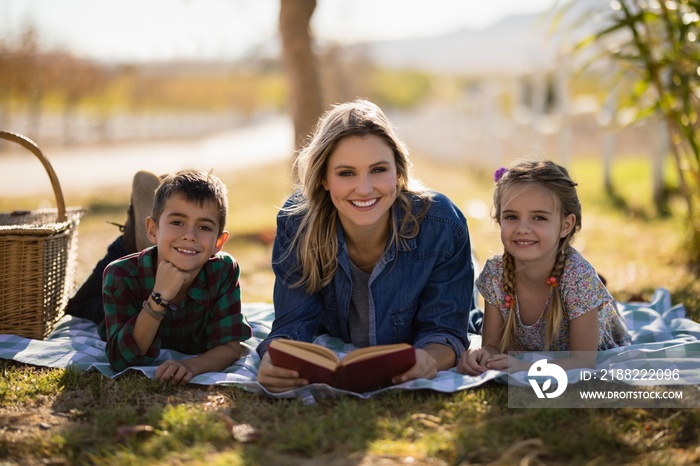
(581, 291)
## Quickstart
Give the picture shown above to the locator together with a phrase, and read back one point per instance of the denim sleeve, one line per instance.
(297, 313)
(446, 300)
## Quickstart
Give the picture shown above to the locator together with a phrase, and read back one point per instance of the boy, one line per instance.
(183, 294)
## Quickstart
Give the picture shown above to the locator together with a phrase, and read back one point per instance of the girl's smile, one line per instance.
(531, 224)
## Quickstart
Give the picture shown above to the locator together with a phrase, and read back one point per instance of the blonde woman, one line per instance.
(364, 253)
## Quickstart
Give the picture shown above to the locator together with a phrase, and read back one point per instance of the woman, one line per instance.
(364, 253)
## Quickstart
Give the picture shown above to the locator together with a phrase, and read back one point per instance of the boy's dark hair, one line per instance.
(195, 186)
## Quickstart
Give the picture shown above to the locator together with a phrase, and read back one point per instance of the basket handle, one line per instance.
(34, 149)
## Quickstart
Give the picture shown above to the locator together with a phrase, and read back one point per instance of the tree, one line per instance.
(655, 45)
(300, 66)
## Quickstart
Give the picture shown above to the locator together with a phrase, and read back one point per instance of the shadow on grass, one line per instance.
(619, 203)
(133, 420)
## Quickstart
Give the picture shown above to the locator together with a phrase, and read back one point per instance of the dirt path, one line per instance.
(94, 168)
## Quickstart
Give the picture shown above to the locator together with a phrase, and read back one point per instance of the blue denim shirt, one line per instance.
(419, 294)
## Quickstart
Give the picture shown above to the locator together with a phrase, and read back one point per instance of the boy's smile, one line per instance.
(187, 233)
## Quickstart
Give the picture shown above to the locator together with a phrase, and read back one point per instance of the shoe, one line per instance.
(142, 193)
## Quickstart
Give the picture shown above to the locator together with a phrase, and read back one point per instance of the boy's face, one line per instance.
(187, 233)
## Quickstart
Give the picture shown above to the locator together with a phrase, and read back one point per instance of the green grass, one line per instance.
(64, 417)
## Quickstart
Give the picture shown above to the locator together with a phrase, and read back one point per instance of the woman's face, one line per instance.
(361, 179)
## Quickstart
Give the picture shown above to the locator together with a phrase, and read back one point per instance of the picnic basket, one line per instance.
(38, 259)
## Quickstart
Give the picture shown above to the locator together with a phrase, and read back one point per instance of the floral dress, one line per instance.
(581, 291)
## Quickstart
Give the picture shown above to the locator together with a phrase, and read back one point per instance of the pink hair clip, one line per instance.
(498, 174)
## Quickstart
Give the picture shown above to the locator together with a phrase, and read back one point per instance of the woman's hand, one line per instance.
(278, 379)
(174, 372)
(426, 367)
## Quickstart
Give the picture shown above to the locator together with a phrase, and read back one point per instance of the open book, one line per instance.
(361, 370)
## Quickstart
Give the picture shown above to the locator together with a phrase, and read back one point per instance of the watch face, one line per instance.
(158, 299)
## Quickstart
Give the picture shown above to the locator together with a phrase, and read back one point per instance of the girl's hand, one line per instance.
(278, 379)
(426, 367)
(174, 372)
(169, 280)
(473, 361)
(503, 362)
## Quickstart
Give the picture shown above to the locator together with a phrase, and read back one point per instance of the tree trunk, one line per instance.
(300, 66)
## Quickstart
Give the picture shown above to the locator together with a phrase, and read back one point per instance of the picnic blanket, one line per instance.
(658, 330)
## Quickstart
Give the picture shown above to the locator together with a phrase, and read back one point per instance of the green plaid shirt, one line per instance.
(209, 316)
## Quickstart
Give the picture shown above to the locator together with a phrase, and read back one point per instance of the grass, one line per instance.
(52, 416)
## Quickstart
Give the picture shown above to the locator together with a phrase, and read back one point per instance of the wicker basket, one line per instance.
(38, 259)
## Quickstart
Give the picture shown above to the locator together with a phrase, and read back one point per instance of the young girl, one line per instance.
(540, 294)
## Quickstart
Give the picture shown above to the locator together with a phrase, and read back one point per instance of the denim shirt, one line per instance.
(420, 293)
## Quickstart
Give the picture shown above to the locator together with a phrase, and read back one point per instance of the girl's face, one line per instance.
(531, 224)
(187, 234)
(361, 179)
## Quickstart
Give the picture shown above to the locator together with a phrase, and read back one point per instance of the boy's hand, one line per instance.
(169, 280)
(174, 372)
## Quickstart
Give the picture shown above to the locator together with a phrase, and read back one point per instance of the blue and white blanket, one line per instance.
(658, 330)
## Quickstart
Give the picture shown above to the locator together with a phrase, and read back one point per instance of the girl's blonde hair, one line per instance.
(316, 240)
(557, 180)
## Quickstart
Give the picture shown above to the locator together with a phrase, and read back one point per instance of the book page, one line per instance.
(373, 351)
(311, 352)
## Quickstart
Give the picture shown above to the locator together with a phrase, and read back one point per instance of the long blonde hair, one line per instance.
(316, 240)
(557, 180)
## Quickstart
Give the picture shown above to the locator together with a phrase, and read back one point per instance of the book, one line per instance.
(361, 370)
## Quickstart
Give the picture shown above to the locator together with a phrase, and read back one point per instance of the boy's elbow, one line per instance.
(235, 349)
(118, 364)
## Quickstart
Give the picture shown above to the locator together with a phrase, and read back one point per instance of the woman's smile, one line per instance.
(361, 179)
(365, 204)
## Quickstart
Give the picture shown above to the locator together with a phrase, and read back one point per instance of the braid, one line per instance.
(556, 309)
(509, 287)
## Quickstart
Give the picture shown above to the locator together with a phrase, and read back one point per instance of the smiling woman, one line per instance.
(365, 253)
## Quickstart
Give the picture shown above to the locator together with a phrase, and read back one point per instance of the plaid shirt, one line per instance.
(209, 316)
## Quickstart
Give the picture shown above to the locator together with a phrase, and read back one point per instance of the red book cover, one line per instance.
(362, 370)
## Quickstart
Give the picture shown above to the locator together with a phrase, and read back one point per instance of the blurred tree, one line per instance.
(76, 80)
(300, 66)
(655, 44)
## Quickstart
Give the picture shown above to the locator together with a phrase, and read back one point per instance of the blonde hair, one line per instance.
(316, 240)
(556, 179)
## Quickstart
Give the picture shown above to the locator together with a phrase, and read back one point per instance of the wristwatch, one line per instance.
(159, 300)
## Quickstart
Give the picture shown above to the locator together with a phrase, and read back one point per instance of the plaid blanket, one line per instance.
(658, 330)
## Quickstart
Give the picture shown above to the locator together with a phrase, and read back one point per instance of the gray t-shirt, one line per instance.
(359, 307)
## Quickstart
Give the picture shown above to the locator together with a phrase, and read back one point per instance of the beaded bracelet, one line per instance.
(156, 315)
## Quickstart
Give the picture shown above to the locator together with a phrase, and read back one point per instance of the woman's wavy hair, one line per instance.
(316, 240)
(557, 180)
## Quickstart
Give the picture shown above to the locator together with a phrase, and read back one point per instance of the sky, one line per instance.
(140, 30)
